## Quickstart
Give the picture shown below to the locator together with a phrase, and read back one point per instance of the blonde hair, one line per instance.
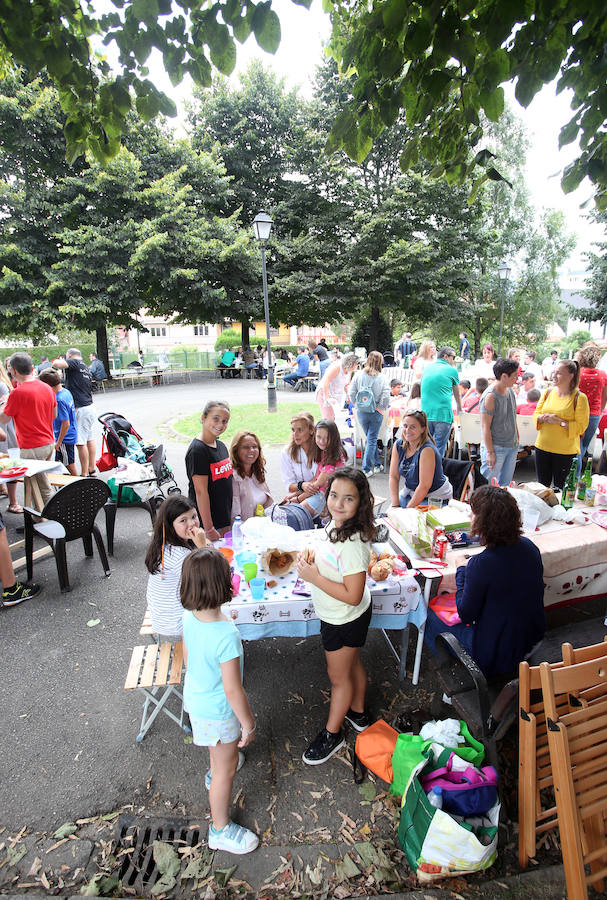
(425, 349)
(374, 363)
(4, 378)
(292, 448)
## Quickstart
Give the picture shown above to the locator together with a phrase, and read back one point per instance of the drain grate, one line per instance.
(135, 837)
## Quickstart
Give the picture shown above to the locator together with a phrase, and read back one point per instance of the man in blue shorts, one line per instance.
(64, 423)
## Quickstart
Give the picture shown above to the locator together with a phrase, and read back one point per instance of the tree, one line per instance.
(56, 36)
(445, 62)
(597, 282)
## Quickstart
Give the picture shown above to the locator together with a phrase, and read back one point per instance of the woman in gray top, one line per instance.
(499, 446)
(370, 394)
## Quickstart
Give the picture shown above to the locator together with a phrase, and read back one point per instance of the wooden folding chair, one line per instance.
(537, 809)
(157, 670)
(577, 742)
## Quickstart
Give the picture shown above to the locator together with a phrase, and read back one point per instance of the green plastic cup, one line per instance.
(249, 571)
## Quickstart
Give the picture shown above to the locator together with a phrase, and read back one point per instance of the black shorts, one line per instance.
(66, 454)
(352, 634)
(2, 525)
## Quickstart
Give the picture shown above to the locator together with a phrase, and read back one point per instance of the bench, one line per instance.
(157, 671)
(490, 706)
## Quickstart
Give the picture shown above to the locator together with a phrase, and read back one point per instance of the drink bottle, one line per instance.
(568, 495)
(435, 796)
(237, 538)
(585, 482)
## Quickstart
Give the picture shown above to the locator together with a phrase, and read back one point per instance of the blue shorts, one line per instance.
(65, 454)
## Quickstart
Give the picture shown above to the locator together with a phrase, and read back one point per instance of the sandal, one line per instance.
(18, 510)
(3, 491)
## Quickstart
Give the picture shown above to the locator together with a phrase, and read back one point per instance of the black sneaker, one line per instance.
(19, 592)
(358, 721)
(322, 748)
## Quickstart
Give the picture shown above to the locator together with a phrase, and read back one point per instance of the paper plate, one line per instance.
(14, 473)
(599, 517)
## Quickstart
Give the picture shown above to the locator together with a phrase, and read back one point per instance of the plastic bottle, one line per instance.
(435, 797)
(237, 538)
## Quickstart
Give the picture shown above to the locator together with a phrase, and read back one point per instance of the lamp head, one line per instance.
(504, 271)
(262, 226)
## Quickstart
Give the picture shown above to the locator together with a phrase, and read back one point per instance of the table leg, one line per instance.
(420, 632)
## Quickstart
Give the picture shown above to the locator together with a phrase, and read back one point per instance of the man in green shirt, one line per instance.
(227, 362)
(440, 383)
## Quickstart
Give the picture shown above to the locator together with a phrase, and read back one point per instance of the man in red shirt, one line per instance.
(32, 407)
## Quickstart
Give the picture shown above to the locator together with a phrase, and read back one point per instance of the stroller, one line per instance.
(121, 439)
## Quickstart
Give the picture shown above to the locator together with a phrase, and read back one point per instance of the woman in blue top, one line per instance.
(418, 461)
(500, 592)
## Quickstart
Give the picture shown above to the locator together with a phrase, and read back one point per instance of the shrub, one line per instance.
(228, 338)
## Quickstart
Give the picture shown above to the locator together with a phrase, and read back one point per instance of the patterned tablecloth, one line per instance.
(574, 558)
(397, 602)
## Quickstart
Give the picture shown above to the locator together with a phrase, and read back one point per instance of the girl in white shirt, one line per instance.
(177, 532)
(298, 459)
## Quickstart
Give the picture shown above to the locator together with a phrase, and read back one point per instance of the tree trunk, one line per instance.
(244, 331)
(477, 337)
(102, 348)
(374, 329)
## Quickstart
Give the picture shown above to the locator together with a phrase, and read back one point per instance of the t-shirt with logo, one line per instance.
(78, 382)
(201, 459)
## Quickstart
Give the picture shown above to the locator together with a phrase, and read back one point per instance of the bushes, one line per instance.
(50, 350)
(228, 338)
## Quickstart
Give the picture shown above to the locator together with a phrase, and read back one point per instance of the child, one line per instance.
(337, 570)
(472, 400)
(331, 456)
(64, 423)
(177, 532)
(298, 459)
(213, 693)
(209, 471)
(395, 387)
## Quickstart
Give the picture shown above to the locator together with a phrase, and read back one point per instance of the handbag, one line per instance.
(374, 748)
(107, 460)
(467, 791)
(443, 606)
(436, 844)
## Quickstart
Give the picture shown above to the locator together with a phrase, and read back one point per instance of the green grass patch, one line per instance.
(272, 428)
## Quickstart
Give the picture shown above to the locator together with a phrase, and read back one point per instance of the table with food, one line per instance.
(270, 600)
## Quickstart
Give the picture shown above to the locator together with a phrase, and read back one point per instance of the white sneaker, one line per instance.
(370, 473)
(233, 838)
(241, 760)
(378, 469)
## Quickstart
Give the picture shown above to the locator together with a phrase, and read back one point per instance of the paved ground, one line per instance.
(68, 728)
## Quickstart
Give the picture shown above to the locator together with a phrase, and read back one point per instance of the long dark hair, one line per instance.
(335, 451)
(363, 521)
(164, 533)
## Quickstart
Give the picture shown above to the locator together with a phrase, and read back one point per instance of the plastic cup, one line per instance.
(245, 556)
(228, 538)
(258, 586)
(249, 570)
(227, 552)
(235, 583)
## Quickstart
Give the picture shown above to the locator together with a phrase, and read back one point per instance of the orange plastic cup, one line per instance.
(227, 552)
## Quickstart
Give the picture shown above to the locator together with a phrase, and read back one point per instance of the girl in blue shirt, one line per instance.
(213, 694)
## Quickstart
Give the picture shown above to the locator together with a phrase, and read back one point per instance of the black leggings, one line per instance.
(552, 467)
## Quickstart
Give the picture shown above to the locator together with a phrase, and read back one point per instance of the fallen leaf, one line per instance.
(44, 881)
(346, 868)
(166, 858)
(222, 876)
(16, 853)
(200, 867)
(297, 816)
(92, 888)
(35, 867)
(92, 622)
(367, 789)
(365, 829)
(165, 883)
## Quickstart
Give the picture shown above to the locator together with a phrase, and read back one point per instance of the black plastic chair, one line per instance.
(69, 514)
(461, 475)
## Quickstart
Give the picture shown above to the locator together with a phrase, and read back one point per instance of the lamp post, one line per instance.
(504, 273)
(262, 226)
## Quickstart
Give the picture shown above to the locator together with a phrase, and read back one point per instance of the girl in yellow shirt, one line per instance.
(561, 418)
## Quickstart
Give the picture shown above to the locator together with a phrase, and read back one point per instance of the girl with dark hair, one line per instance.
(177, 532)
(249, 486)
(331, 456)
(213, 694)
(499, 596)
(209, 470)
(336, 568)
(561, 418)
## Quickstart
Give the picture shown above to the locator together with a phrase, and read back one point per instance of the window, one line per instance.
(201, 330)
(157, 331)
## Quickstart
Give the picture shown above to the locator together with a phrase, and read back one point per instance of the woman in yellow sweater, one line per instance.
(561, 417)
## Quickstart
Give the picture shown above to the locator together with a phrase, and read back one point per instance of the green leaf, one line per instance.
(222, 49)
(15, 854)
(393, 15)
(475, 188)
(147, 106)
(222, 876)
(266, 28)
(145, 10)
(573, 176)
(166, 858)
(199, 867)
(65, 830)
(569, 132)
(493, 103)
(409, 156)
(418, 38)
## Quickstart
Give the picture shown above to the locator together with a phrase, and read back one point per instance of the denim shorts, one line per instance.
(209, 732)
(317, 503)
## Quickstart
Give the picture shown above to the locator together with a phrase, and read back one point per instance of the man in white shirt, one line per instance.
(549, 365)
(531, 365)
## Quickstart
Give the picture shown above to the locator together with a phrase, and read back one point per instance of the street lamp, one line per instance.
(262, 226)
(504, 273)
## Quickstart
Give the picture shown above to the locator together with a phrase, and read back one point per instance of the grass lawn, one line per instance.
(270, 429)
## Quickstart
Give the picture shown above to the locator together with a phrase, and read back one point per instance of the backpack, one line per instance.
(365, 399)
